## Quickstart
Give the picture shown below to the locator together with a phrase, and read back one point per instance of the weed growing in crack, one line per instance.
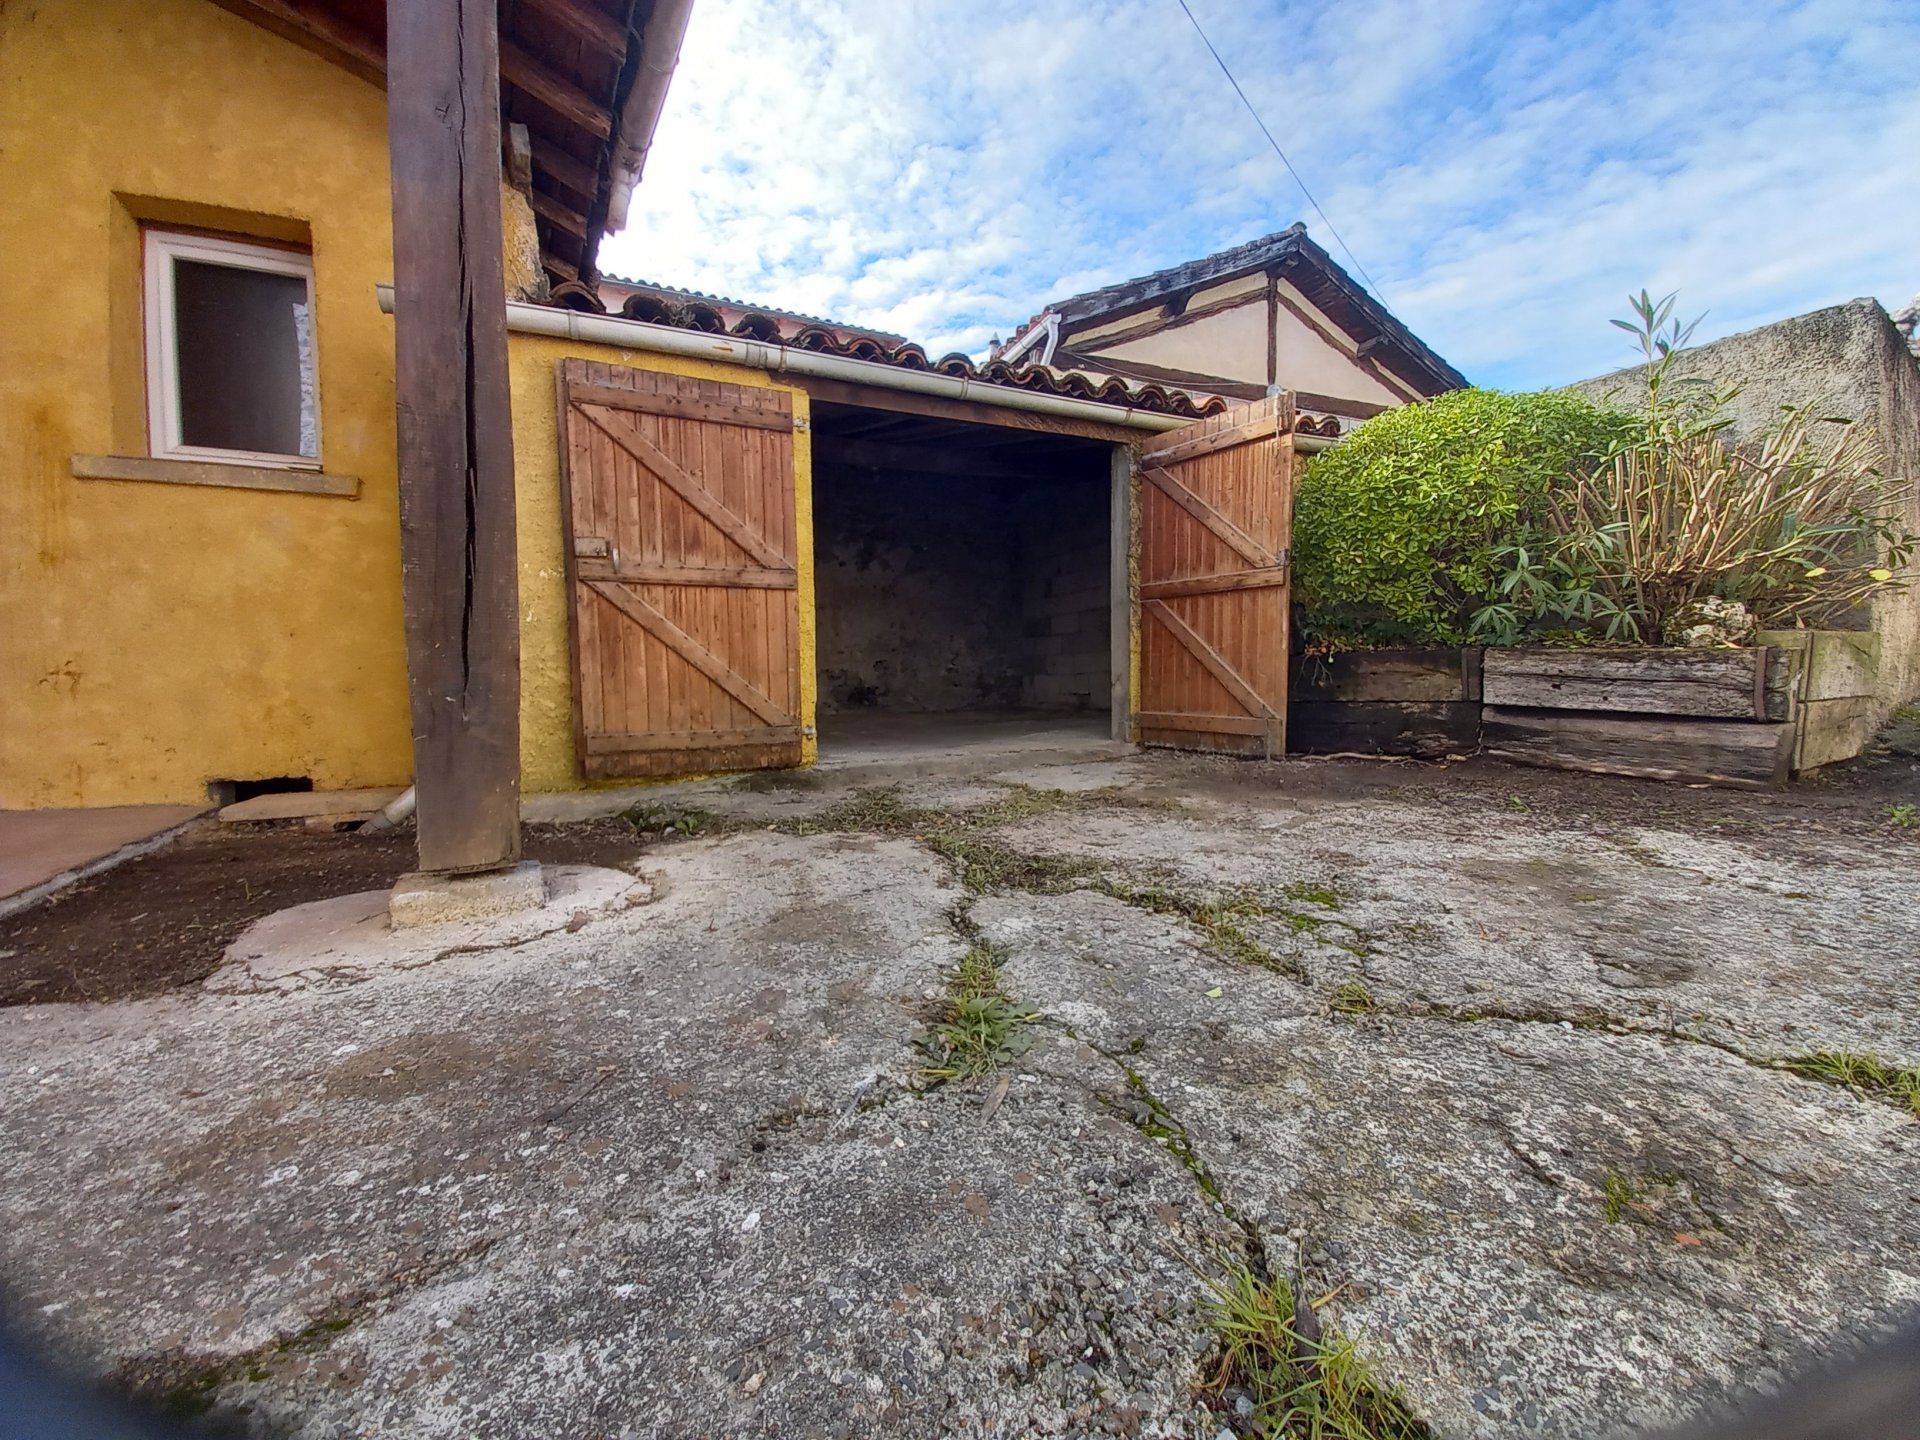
(1352, 997)
(1152, 1118)
(669, 821)
(1616, 1195)
(1904, 817)
(880, 809)
(1863, 1073)
(980, 1027)
(1312, 892)
(1020, 802)
(1624, 1196)
(986, 865)
(1304, 1380)
(1222, 918)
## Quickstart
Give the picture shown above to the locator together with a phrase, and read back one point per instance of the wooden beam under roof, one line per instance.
(907, 402)
(585, 22)
(523, 72)
(930, 458)
(548, 208)
(315, 27)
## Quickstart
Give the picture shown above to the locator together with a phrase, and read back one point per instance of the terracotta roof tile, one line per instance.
(823, 337)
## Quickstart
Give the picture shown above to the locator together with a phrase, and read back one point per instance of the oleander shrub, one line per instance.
(1401, 530)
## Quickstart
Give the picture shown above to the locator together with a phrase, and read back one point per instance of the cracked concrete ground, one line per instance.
(672, 1170)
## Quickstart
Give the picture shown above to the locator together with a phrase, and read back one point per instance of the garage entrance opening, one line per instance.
(965, 580)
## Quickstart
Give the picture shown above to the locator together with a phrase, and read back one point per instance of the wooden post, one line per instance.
(455, 431)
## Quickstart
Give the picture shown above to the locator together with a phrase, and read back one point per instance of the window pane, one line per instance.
(245, 351)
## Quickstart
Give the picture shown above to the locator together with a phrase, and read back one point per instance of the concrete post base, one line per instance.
(424, 899)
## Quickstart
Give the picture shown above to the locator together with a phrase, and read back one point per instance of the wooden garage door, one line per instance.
(1216, 520)
(686, 637)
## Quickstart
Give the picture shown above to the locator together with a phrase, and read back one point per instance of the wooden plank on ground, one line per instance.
(1382, 727)
(1709, 684)
(304, 804)
(1723, 752)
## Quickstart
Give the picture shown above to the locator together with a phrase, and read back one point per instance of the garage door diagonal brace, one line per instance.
(1230, 534)
(689, 649)
(619, 427)
(1211, 659)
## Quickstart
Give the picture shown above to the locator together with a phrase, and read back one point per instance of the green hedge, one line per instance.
(1395, 528)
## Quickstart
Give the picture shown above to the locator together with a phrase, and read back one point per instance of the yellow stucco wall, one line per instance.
(546, 676)
(154, 637)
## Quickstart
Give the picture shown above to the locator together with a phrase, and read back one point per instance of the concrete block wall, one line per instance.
(1065, 595)
(917, 595)
(943, 593)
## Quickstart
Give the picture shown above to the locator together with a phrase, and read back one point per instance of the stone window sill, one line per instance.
(211, 472)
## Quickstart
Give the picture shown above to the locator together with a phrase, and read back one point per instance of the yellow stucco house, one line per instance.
(742, 534)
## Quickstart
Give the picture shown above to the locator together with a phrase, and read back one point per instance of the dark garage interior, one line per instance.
(963, 577)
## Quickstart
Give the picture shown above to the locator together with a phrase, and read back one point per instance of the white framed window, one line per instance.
(231, 375)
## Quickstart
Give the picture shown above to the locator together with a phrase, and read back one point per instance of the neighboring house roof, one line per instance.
(735, 309)
(587, 78)
(1307, 268)
(778, 328)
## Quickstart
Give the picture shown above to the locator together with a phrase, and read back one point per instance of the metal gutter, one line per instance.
(625, 334)
(659, 45)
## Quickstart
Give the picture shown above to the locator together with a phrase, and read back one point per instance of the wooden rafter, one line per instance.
(586, 23)
(559, 94)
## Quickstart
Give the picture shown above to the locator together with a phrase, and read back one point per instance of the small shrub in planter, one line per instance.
(1399, 531)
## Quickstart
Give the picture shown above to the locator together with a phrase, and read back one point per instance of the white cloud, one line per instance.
(1507, 171)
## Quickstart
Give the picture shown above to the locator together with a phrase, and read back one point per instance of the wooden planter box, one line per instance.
(1386, 702)
(1749, 717)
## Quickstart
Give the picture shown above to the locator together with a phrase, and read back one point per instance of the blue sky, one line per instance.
(1506, 170)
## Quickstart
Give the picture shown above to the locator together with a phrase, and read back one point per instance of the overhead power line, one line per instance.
(1372, 284)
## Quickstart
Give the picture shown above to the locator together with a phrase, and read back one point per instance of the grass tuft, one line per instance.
(1861, 1072)
(1904, 817)
(1225, 918)
(1352, 997)
(1313, 892)
(980, 1027)
(670, 820)
(1616, 1197)
(1305, 1380)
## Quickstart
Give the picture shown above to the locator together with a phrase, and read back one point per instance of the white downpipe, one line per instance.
(527, 319)
(397, 811)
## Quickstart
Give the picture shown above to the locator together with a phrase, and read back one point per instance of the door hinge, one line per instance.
(1283, 558)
